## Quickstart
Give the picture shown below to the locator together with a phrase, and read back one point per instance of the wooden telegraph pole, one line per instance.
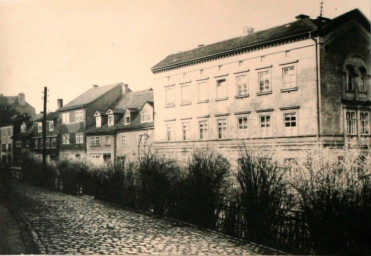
(44, 128)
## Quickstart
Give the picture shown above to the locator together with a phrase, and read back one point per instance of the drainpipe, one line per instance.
(318, 74)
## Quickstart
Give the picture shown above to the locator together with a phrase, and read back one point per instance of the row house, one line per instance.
(289, 87)
(122, 131)
(77, 117)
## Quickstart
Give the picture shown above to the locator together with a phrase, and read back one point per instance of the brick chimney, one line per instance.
(125, 88)
(21, 99)
(60, 103)
(247, 30)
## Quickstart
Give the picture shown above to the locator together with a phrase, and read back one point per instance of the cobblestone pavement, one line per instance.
(66, 224)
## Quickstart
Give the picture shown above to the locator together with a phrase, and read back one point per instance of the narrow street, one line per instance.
(66, 224)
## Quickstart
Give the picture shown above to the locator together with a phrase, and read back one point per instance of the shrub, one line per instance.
(264, 197)
(335, 198)
(74, 175)
(34, 174)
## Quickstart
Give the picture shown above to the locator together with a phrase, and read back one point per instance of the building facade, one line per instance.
(283, 89)
(6, 153)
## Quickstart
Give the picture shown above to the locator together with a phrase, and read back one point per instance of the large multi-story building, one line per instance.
(78, 116)
(288, 88)
(124, 130)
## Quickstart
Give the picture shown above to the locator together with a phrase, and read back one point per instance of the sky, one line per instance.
(70, 45)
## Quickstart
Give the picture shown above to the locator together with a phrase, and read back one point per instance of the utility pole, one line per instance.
(44, 128)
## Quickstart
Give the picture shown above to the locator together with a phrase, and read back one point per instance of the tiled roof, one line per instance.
(291, 30)
(49, 116)
(134, 100)
(88, 96)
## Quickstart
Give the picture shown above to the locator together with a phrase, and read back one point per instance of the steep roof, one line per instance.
(89, 96)
(12, 103)
(134, 100)
(296, 29)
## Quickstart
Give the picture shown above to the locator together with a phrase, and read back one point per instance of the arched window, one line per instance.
(350, 74)
(363, 80)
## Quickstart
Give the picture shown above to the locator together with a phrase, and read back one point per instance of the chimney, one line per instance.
(95, 86)
(21, 99)
(201, 45)
(60, 103)
(125, 88)
(301, 17)
(247, 30)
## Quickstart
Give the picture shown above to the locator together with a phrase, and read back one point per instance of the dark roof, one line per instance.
(88, 96)
(133, 101)
(12, 103)
(296, 29)
(49, 116)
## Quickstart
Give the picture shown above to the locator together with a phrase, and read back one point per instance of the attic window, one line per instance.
(146, 116)
(111, 120)
(98, 121)
(127, 117)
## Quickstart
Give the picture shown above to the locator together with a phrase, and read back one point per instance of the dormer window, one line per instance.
(146, 115)
(127, 117)
(111, 120)
(39, 127)
(23, 127)
(51, 126)
(98, 121)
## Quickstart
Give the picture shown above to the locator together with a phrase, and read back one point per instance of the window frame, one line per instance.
(186, 130)
(39, 127)
(289, 132)
(170, 135)
(79, 138)
(111, 120)
(127, 117)
(238, 94)
(243, 129)
(170, 96)
(221, 88)
(364, 124)
(54, 143)
(79, 115)
(66, 139)
(265, 132)
(23, 128)
(222, 125)
(351, 123)
(123, 140)
(294, 83)
(202, 85)
(185, 101)
(51, 126)
(269, 71)
(65, 117)
(204, 129)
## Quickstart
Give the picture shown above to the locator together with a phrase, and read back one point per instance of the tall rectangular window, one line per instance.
(288, 77)
(79, 116)
(23, 128)
(221, 89)
(65, 138)
(291, 127)
(170, 96)
(186, 131)
(54, 142)
(170, 131)
(242, 85)
(127, 117)
(98, 121)
(108, 140)
(265, 81)
(222, 128)
(36, 144)
(51, 126)
(111, 120)
(364, 117)
(146, 115)
(243, 126)
(203, 127)
(79, 138)
(265, 126)
(203, 95)
(351, 122)
(185, 92)
(123, 141)
(39, 127)
(47, 143)
(66, 117)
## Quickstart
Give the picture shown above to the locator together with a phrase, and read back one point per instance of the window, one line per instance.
(291, 128)
(203, 129)
(27, 144)
(94, 141)
(363, 80)
(222, 129)
(108, 140)
(170, 131)
(350, 74)
(265, 126)
(265, 81)
(288, 77)
(143, 139)
(36, 144)
(123, 141)
(146, 115)
(202, 92)
(111, 120)
(170, 96)
(185, 91)
(66, 138)
(243, 126)
(66, 117)
(186, 131)
(221, 89)
(23, 128)
(54, 142)
(79, 138)
(18, 144)
(364, 118)
(41, 144)
(98, 121)
(242, 86)
(51, 126)
(39, 127)
(127, 117)
(47, 143)
(351, 122)
(79, 116)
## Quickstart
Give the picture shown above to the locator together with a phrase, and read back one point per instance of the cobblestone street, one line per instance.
(66, 224)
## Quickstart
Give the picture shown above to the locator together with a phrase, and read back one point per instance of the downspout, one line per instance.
(318, 74)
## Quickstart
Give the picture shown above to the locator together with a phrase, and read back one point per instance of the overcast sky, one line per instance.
(69, 45)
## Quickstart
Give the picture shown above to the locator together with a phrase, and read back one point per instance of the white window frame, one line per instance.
(203, 128)
(66, 117)
(66, 138)
(364, 123)
(146, 116)
(170, 131)
(292, 77)
(202, 92)
(186, 130)
(79, 138)
(23, 128)
(98, 121)
(94, 141)
(221, 89)
(39, 127)
(261, 76)
(243, 128)
(51, 126)
(79, 115)
(265, 127)
(170, 96)
(351, 122)
(123, 141)
(289, 122)
(222, 128)
(363, 79)
(111, 120)
(242, 88)
(127, 117)
(185, 94)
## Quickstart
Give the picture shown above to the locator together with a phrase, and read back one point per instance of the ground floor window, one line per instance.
(265, 125)
(222, 129)
(351, 122)
(364, 117)
(291, 124)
